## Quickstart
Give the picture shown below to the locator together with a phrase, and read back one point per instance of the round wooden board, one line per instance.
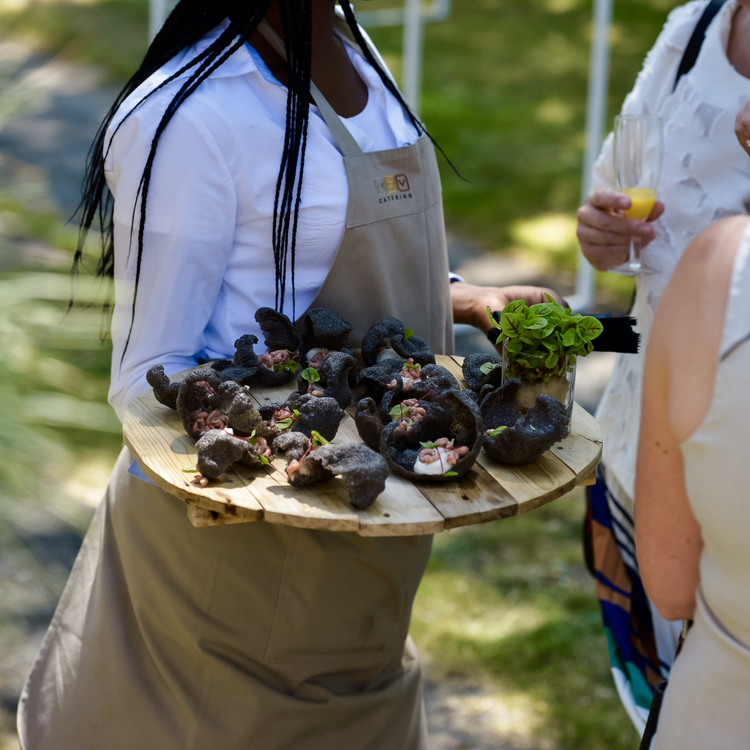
(154, 435)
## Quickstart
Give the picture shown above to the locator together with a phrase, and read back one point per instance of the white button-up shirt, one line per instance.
(207, 262)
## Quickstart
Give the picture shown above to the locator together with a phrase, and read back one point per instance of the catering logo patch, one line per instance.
(393, 188)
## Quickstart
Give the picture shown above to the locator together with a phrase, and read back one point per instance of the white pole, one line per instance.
(156, 18)
(596, 113)
(413, 37)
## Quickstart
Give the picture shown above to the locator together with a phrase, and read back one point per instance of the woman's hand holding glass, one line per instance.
(638, 153)
(605, 231)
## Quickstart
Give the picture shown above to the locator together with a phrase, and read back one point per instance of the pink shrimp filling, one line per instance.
(411, 413)
(270, 359)
(451, 456)
(409, 376)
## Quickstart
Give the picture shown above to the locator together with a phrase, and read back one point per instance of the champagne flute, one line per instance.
(638, 158)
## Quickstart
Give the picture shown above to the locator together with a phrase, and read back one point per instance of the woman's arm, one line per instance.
(190, 226)
(678, 386)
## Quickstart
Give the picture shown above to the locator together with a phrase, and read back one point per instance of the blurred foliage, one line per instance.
(108, 33)
(510, 606)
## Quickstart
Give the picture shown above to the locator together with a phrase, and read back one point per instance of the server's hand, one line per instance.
(470, 302)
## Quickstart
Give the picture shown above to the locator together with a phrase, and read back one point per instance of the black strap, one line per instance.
(653, 716)
(696, 40)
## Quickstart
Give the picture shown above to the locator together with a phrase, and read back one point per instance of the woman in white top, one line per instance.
(706, 176)
(693, 520)
(232, 192)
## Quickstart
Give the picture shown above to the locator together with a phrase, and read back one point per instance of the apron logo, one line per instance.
(402, 182)
(393, 188)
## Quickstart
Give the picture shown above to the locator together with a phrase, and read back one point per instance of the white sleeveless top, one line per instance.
(717, 466)
(706, 176)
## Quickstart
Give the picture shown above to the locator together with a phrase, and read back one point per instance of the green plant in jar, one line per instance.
(541, 344)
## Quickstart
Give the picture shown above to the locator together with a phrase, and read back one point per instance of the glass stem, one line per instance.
(635, 253)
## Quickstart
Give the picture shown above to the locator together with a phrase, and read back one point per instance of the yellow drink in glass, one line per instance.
(643, 202)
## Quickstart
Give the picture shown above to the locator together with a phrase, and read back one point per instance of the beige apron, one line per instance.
(393, 258)
(256, 636)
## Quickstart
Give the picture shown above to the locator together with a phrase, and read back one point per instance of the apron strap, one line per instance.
(341, 135)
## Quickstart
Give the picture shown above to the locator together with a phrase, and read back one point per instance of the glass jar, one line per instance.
(561, 386)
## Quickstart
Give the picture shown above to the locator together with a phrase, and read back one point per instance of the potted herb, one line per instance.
(541, 344)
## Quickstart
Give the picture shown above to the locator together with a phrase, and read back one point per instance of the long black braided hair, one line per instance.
(189, 22)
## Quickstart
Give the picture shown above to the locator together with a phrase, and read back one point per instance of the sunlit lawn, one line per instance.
(510, 606)
(507, 605)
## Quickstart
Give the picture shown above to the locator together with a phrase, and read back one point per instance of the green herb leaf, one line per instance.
(318, 439)
(512, 324)
(450, 474)
(311, 375)
(497, 430)
(589, 328)
(264, 461)
(284, 424)
(191, 469)
(429, 446)
(488, 367)
(491, 318)
(536, 324)
(516, 306)
(397, 412)
(532, 428)
(408, 333)
(288, 366)
(570, 338)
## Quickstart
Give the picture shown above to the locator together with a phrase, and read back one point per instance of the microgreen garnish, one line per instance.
(450, 474)
(397, 412)
(543, 341)
(533, 429)
(252, 439)
(191, 469)
(318, 439)
(288, 366)
(408, 333)
(488, 367)
(284, 424)
(497, 430)
(311, 375)
(264, 461)
(429, 446)
(408, 366)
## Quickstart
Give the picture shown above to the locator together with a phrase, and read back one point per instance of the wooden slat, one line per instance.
(153, 433)
(200, 517)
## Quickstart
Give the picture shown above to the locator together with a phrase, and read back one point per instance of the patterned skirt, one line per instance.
(641, 642)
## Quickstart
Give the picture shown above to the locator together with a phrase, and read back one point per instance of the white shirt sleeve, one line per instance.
(188, 238)
(655, 81)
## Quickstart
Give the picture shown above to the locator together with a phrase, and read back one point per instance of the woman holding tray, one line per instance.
(233, 191)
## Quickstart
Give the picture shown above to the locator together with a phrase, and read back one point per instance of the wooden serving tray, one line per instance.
(153, 433)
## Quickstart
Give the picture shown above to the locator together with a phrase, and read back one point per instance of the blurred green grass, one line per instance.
(506, 605)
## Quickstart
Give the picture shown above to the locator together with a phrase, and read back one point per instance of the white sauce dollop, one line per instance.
(436, 467)
(387, 354)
